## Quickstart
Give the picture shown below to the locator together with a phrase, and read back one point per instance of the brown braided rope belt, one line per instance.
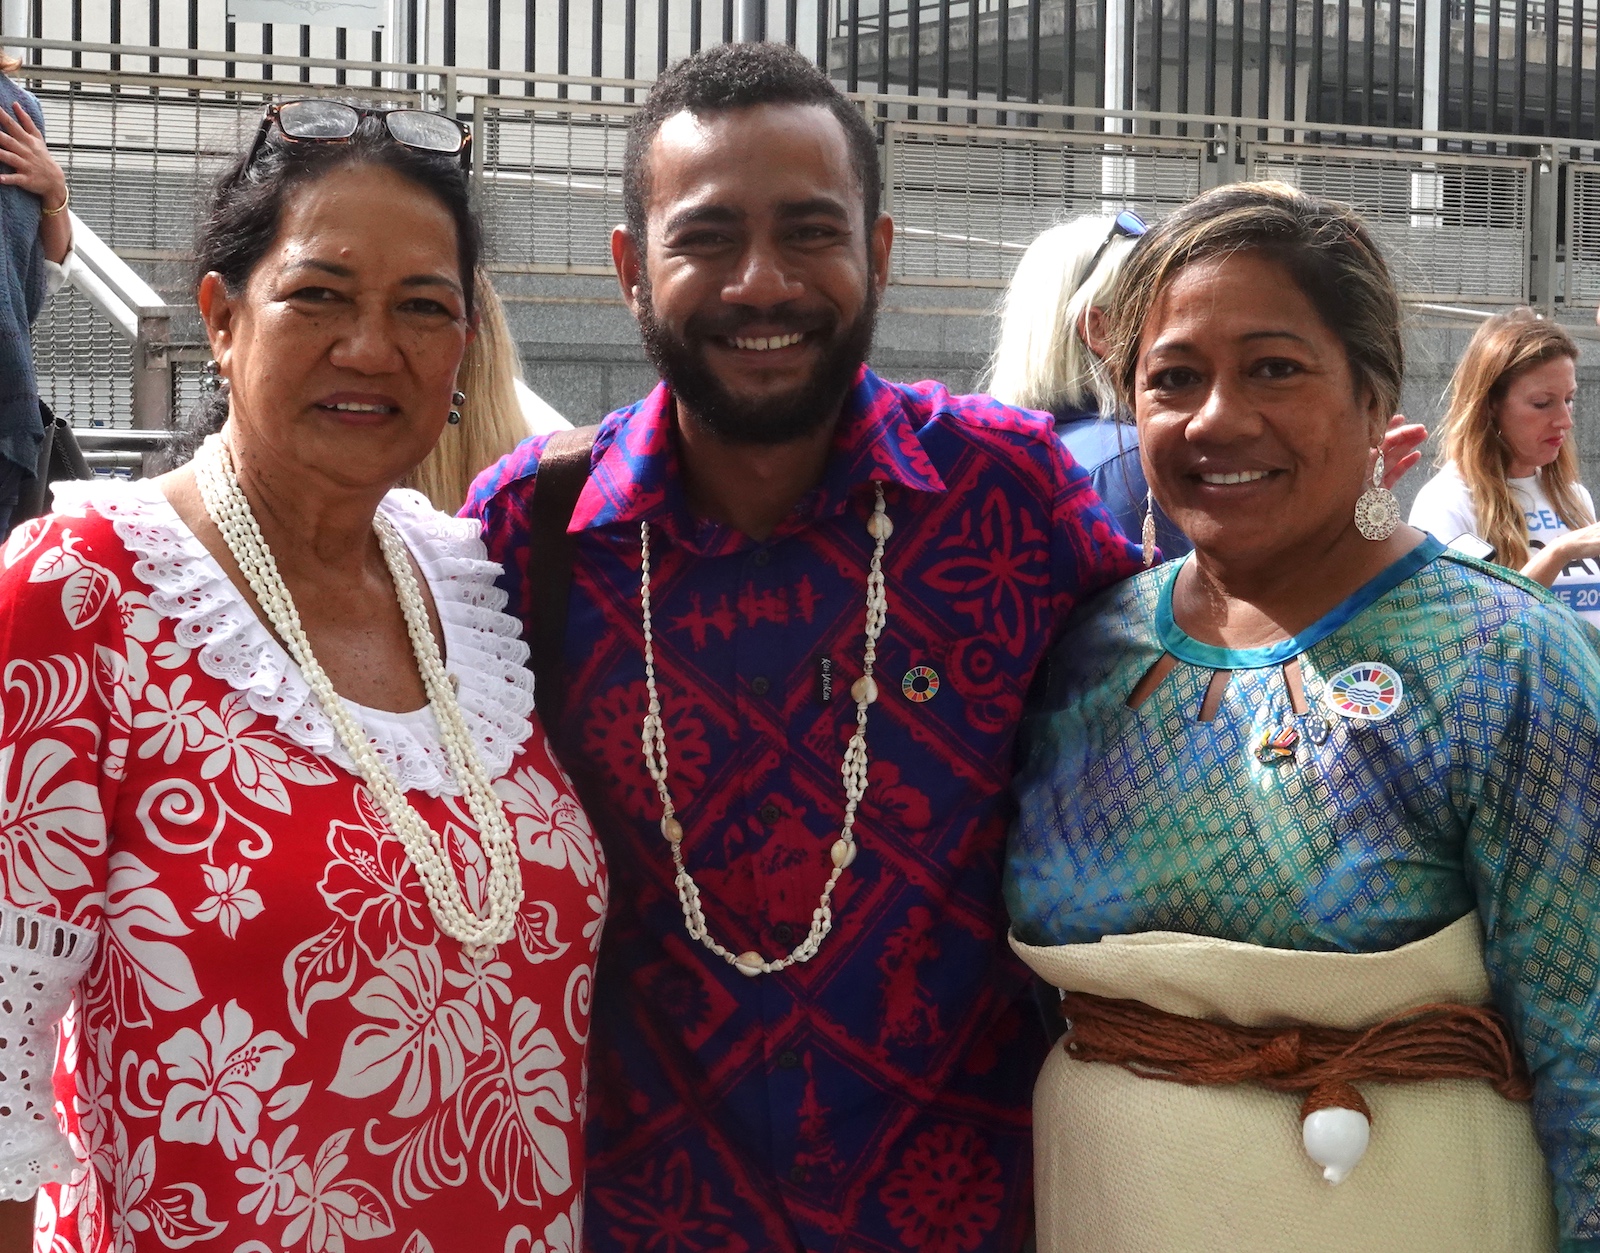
(1444, 1041)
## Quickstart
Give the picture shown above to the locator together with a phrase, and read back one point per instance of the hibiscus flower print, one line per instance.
(219, 1074)
(484, 983)
(945, 1195)
(371, 883)
(230, 902)
(552, 829)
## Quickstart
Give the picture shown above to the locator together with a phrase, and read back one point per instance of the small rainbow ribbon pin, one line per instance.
(1279, 748)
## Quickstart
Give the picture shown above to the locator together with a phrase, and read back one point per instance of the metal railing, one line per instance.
(1466, 218)
(1519, 66)
(103, 350)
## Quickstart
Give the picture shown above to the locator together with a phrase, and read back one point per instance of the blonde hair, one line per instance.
(1040, 360)
(9, 64)
(1324, 246)
(1504, 347)
(491, 416)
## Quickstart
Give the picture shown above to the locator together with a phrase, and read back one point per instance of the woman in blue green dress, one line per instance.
(1318, 775)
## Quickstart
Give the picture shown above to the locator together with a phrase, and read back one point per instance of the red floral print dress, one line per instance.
(269, 1045)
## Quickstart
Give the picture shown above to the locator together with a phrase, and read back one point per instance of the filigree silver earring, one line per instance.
(1377, 510)
(1147, 534)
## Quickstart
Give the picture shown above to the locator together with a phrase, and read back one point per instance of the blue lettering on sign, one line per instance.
(1582, 597)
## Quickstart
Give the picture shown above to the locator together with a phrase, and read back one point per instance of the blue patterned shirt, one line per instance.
(1447, 763)
(878, 1096)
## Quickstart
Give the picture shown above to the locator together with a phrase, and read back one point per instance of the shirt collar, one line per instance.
(636, 476)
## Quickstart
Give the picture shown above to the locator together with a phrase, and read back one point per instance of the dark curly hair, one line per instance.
(246, 209)
(738, 76)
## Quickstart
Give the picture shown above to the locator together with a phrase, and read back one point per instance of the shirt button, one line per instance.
(788, 1060)
(797, 1174)
(783, 933)
(770, 813)
(762, 557)
(760, 685)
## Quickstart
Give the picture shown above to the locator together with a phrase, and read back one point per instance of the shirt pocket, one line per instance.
(939, 737)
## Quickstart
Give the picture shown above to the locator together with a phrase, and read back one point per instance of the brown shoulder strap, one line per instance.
(557, 484)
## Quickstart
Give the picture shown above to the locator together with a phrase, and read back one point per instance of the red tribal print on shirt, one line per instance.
(877, 1097)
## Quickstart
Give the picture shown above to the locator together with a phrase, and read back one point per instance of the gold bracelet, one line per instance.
(60, 208)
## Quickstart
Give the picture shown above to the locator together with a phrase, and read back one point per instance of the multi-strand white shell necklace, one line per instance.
(843, 852)
(230, 510)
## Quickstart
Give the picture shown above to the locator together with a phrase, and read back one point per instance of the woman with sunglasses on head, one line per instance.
(1047, 357)
(279, 821)
(1300, 836)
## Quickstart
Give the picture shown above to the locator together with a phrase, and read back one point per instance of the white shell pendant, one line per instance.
(864, 690)
(748, 963)
(1335, 1139)
(843, 853)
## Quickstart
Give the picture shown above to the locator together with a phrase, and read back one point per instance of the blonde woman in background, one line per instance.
(1509, 466)
(499, 411)
(1048, 352)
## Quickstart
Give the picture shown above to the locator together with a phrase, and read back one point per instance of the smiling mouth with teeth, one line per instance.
(351, 407)
(1242, 476)
(767, 343)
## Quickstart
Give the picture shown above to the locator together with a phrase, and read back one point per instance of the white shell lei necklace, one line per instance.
(425, 848)
(843, 852)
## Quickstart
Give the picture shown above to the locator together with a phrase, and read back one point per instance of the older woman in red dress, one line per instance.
(276, 819)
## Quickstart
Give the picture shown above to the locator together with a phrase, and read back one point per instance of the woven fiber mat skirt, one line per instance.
(1131, 1165)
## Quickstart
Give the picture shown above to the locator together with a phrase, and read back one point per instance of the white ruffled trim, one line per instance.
(484, 651)
(42, 960)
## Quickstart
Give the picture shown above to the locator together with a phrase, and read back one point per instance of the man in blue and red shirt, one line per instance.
(874, 1096)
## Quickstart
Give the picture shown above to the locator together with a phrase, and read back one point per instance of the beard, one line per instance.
(781, 419)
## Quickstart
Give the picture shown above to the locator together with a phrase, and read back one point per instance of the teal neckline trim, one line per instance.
(1186, 648)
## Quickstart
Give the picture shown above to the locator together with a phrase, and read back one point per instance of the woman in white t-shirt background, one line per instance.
(1509, 468)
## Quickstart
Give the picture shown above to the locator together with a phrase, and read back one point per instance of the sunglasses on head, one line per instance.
(334, 122)
(1127, 225)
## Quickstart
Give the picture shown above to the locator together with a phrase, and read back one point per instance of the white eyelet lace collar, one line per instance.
(483, 648)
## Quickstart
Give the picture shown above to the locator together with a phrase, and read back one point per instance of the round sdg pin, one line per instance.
(920, 685)
(1366, 692)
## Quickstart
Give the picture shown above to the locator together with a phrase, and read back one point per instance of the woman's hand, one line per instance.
(1402, 444)
(1547, 563)
(33, 169)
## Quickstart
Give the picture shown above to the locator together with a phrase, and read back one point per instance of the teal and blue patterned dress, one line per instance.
(1447, 758)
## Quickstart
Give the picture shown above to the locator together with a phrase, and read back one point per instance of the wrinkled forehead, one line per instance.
(752, 158)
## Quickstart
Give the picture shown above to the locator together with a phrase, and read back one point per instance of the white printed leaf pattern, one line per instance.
(178, 1215)
(85, 594)
(319, 969)
(418, 1041)
(275, 1051)
(158, 973)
